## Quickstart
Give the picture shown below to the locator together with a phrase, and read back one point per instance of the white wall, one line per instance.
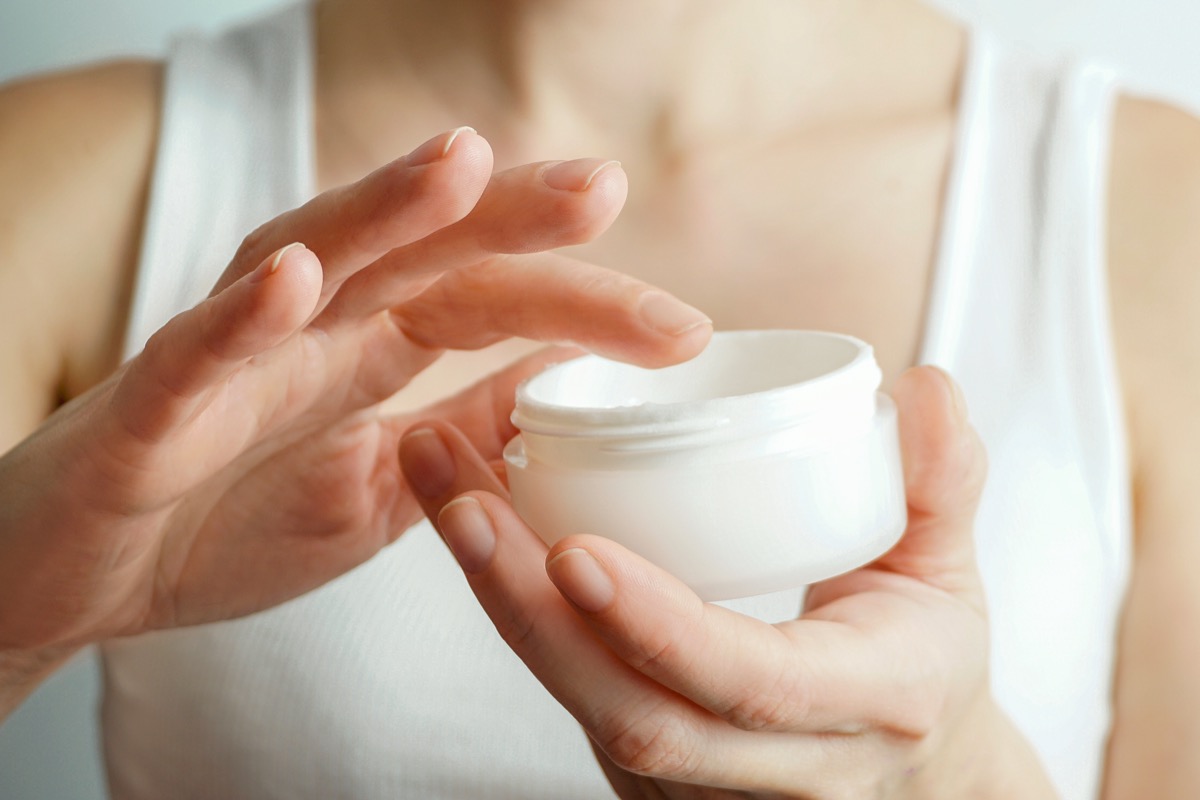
(50, 749)
(1153, 43)
(42, 34)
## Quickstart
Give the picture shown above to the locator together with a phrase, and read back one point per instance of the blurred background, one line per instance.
(49, 749)
(1152, 42)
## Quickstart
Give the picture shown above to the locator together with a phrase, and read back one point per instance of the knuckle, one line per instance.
(783, 703)
(925, 706)
(761, 711)
(592, 282)
(657, 744)
(915, 719)
(159, 353)
(668, 649)
(519, 628)
(657, 654)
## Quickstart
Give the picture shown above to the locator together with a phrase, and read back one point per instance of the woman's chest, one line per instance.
(835, 233)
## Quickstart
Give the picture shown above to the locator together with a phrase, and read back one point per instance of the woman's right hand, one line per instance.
(241, 459)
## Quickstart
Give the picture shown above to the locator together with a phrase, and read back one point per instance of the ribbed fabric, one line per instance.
(235, 149)
(390, 682)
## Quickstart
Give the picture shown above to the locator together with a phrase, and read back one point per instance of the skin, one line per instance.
(799, 709)
(738, 214)
(270, 389)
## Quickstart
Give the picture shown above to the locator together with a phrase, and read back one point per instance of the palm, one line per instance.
(289, 516)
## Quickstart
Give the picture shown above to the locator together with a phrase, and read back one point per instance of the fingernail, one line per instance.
(268, 268)
(665, 314)
(427, 462)
(469, 532)
(577, 175)
(436, 148)
(581, 579)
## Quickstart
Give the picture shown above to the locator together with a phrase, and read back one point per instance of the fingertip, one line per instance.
(611, 181)
(265, 307)
(439, 462)
(667, 315)
(666, 350)
(434, 186)
(659, 330)
(943, 455)
(289, 285)
(582, 174)
(303, 270)
(588, 195)
(469, 149)
(469, 531)
(640, 580)
(463, 142)
(692, 341)
(291, 259)
(581, 579)
(604, 197)
(428, 466)
(929, 392)
(270, 265)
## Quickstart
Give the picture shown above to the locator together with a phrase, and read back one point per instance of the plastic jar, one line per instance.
(767, 462)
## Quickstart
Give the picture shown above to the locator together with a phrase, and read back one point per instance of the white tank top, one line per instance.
(391, 682)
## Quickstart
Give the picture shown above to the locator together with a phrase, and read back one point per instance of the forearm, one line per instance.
(21, 672)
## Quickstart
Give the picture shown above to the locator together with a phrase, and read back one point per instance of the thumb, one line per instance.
(944, 472)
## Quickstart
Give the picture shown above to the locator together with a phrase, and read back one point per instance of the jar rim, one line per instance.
(752, 376)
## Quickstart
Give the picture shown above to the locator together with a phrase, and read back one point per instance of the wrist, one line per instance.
(22, 671)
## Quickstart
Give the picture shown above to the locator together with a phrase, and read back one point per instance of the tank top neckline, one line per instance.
(957, 216)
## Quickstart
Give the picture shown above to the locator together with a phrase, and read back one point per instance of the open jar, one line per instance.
(769, 461)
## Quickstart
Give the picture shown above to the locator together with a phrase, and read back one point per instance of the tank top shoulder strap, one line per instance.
(1032, 142)
(1021, 284)
(1019, 313)
(235, 143)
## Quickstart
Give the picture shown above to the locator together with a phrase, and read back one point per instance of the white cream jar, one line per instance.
(767, 462)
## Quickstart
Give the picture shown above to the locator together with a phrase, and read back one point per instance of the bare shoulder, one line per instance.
(76, 150)
(1154, 257)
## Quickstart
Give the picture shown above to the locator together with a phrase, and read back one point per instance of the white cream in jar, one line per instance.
(769, 461)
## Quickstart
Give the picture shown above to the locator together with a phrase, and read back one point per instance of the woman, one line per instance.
(858, 167)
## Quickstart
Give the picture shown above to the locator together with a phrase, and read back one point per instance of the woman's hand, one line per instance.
(880, 689)
(242, 459)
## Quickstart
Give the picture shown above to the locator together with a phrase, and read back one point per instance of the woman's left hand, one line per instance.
(880, 688)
